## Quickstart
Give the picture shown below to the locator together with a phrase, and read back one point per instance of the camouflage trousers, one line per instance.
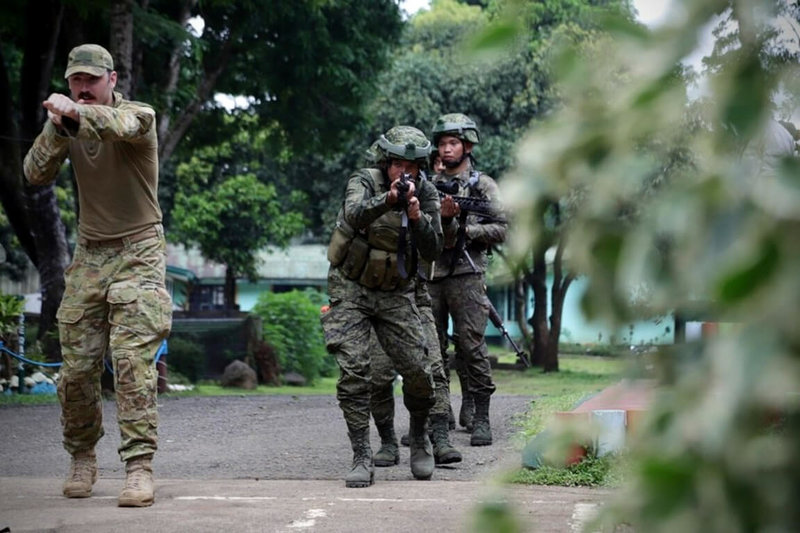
(464, 299)
(383, 373)
(114, 302)
(355, 312)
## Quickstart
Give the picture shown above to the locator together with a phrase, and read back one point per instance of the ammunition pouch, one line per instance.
(347, 250)
(381, 271)
(356, 257)
(384, 232)
(340, 244)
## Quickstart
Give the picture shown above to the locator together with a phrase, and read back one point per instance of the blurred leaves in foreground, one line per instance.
(691, 205)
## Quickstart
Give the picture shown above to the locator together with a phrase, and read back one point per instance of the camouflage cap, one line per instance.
(89, 58)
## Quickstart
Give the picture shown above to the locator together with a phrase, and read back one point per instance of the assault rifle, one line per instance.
(494, 316)
(470, 204)
(402, 204)
(402, 190)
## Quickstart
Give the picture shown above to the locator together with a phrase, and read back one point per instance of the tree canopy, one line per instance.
(306, 67)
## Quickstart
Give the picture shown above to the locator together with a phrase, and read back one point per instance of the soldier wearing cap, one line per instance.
(389, 223)
(115, 298)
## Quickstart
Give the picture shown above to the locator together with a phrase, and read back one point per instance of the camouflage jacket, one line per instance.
(365, 203)
(114, 152)
(480, 235)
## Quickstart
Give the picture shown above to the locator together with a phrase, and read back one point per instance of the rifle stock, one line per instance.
(494, 316)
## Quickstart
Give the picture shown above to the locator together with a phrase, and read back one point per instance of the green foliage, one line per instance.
(187, 357)
(714, 227)
(495, 517)
(234, 219)
(592, 471)
(291, 325)
(11, 307)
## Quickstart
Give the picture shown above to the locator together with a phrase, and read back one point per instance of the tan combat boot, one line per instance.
(82, 475)
(138, 490)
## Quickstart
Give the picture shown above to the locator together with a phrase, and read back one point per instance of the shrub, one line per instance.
(291, 325)
(185, 356)
(10, 308)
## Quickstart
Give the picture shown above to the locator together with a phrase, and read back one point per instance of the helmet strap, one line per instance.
(464, 155)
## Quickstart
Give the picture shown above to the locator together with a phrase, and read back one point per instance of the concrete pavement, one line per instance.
(36, 504)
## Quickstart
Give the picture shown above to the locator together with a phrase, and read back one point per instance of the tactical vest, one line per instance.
(369, 256)
(452, 261)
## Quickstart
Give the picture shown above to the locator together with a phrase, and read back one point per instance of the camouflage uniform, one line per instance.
(458, 285)
(115, 298)
(383, 373)
(374, 300)
(382, 379)
(356, 309)
(462, 293)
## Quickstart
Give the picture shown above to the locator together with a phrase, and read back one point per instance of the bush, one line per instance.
(291, 325)
(11, 308)
(185, 356)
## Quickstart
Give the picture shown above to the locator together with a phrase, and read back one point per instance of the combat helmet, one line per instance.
(401, 142)
(457, 125)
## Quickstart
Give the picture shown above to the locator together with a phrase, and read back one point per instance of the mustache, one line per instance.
(85, 96)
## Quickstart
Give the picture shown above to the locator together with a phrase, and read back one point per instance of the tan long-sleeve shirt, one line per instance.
(114, 152)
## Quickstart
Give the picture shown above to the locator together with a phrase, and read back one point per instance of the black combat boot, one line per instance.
(389, 453)
(422, 462)
(481, 430)
(467, 412)
(404, 439)
(443, 452)
(363, 473)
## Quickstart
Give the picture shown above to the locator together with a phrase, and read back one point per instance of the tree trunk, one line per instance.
(51, 246)
(561, 283)
(520, 297)
(12, 196)
(174, 70)
(44, 217)
(169, 140)
(538, 281)
(121, 41)
(230, 289)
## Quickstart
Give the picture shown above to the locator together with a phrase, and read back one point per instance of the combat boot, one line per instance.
(82, 475)
(362, 474)
(389, 453)
(467, 412)
(404, 439)
(138, 489)
(422, 462)
(481, 430)
(443, 452)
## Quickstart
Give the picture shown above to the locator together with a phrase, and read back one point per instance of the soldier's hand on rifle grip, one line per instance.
(450, 207)
(413, 210)
(395, 189)
(391, 196)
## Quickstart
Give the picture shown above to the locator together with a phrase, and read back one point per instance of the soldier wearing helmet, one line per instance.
(457, 286)
(388, 225)
(436, 165)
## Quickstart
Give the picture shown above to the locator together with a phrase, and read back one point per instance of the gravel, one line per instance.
(249, 437)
